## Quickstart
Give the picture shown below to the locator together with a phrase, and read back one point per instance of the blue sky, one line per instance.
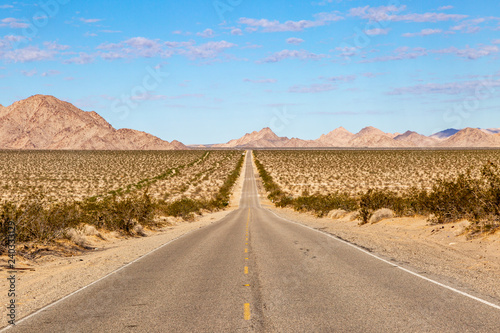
(209, 71)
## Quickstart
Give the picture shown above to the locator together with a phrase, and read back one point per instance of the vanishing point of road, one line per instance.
(255, 272)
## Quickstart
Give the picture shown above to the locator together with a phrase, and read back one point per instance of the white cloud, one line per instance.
(30, 73)
(261, 80)
(321, 19)
(13, 23)
(50, 73)
(453, 88)
(445, 7)
(285, 54)
(400, 53)
(88, 21)
(55, 46)
(207, 33)
(207, 50)
(377, 31)
(236, 32)
(81, 59)
(28, 54)
(313, 88)
(294, 40)
(471, 53)
(392, 13)
(340, 78)
(424, 32)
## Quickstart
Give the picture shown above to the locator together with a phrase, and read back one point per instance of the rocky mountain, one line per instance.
(264, 138)
(410, 138)
(370, 137)
(45, 122)
(445, 134)
(471, 137)
(373, 137)
(339, 137)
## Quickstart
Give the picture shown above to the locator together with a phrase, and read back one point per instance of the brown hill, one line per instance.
(265, 138)
(411, 138)
(472, 137)
(374, 138)
(45, 122)
(339, 137)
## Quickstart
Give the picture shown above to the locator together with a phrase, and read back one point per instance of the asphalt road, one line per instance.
(255, 272)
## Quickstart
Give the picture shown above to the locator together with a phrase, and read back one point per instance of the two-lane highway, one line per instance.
(255, 272)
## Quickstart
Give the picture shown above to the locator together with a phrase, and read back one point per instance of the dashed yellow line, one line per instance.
(246, 311)
(246, 306)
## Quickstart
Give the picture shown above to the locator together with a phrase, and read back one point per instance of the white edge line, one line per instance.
(392, 264)
(102, 278)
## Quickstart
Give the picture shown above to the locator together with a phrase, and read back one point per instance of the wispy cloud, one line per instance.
(313, 88)
(471, 53)
(377, 32)
(207, 50)
(424, 32)
(207, 33)
(446, 7)
(340, 78)
(30, 73)
(13, 23)
(392, 13)
(469, 26)
(453, 88)
(400, 53)
(89, 21)
(82, 59)
(28, 54)
(296, 54)
(55, 46)
(51, 72)
(261, 80)
(266, 25)
(236, 32)
(294, 40)
(6, 6)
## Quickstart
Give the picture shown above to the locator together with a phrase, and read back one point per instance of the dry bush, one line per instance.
(337, 214)
(381, 214)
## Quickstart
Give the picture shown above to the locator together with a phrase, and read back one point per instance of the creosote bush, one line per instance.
(120, 210)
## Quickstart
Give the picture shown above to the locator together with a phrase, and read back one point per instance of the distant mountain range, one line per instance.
(45, 122)
(371, 137)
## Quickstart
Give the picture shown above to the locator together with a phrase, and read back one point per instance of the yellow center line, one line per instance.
(246, 250)
(246, 311)
(246, 269)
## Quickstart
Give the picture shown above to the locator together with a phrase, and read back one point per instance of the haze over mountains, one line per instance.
(45, 122)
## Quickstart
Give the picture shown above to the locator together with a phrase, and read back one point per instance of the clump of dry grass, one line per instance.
(381, 214)
(337, 214)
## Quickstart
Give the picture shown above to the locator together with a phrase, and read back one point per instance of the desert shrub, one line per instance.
(181, 208)
(322, 204)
